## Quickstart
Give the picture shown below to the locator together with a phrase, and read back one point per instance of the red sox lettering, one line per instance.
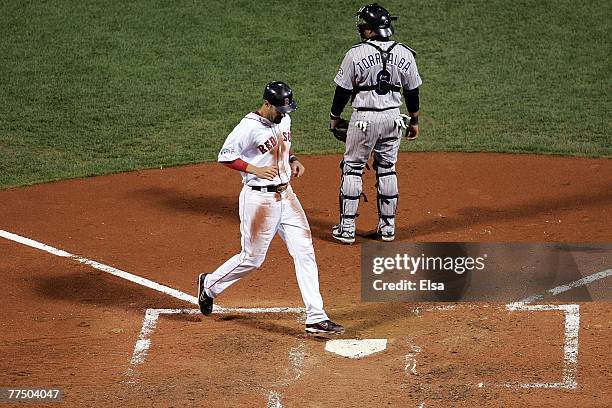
(268, 145)
(272, 142)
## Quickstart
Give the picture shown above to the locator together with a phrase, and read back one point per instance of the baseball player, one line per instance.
(374, 74)
(260, 148)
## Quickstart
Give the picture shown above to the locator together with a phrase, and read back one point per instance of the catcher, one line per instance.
(373, 75)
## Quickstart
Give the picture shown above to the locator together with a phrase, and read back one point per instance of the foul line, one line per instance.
(564, 288)
(99, 266)
(139, 279)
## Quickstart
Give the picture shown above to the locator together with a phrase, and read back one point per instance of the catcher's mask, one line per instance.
(281, 96)
(376, 18)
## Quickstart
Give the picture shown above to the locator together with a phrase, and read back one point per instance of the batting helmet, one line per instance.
(376, 18)
(281, 96)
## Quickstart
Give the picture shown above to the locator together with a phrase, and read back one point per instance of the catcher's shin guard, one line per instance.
(350, 192)
(387, 196)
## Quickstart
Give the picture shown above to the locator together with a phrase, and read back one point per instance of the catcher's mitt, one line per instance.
(340, 130)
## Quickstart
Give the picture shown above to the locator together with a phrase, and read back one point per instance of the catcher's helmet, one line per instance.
(376, 18)
(281, 96)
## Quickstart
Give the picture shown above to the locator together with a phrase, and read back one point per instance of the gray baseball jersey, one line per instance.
(362, 64)
(377, 72)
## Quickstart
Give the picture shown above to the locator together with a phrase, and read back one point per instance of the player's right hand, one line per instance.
(412, 132)
(266, 172)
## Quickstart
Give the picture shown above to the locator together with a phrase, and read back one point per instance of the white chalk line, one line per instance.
(99, 266)
(274, 400)
(152, 315)
(571, 311)
(143, 344)
(571, 328)
(418, 310)
(571, 331)
(411, 361)
(139, 279)
(292, 374)
(296, 357)
(570, 344)
(564, 288)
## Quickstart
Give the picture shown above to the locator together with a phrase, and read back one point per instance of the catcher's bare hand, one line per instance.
(297, 169)
(412, 132)
(266, 172)
(333, 122)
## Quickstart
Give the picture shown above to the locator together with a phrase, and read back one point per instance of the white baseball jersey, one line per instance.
(263, 214)
(256, 141)
(361, 65)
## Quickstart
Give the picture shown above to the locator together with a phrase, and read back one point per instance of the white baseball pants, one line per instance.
(262, 215)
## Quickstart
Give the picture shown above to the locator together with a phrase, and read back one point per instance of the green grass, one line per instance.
(93, 87)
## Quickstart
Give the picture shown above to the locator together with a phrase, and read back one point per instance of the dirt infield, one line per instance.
(66, 324)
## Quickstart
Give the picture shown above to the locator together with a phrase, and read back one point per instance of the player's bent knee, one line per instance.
(253, 261)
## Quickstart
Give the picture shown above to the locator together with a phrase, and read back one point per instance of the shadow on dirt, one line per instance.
(206, 204)
(93, 288)
(271, 324)
(471, 216)
(366, 317)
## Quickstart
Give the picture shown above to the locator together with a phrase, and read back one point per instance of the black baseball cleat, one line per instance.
(205, 301)
(326, 326)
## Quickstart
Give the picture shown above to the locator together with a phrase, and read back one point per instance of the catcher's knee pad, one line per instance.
(387, 193)
(350, 191)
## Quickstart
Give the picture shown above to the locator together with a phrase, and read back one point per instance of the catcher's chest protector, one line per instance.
(383, 79)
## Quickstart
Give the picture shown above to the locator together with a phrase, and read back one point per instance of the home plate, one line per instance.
(355, 348)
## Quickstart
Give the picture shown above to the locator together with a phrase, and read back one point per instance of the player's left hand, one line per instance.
(297, 169)
(339, 128)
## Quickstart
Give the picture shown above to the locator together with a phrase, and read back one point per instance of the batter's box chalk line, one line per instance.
(570, 344)
(143, 343)
(351, 348)
(296, 354)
